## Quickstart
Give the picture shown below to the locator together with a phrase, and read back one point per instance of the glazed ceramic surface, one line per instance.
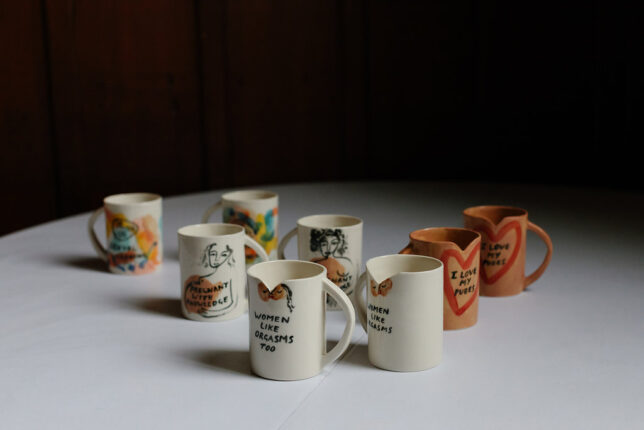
(133, 224)
(459, 250)
(334, 241)
(257, 212)
(287, 317)
(403, 311)
(503, 246)
(213, 271)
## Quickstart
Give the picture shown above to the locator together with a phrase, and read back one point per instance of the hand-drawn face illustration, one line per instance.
(332, 245)
(214, 259)
(279, 292)
(381, 289)
(210, 298)
(133, 244)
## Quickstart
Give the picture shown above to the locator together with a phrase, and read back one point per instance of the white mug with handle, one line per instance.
(213, 271)
(334, 241)
(403, 313)
(287, 315)
(133, 228)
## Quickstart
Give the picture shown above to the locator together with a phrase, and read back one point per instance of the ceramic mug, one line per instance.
(503, 247)
(256, 211)
(287, 316)
(133, 224)
(403, 313)
(213, 271)
(459, 250)
(334, 241)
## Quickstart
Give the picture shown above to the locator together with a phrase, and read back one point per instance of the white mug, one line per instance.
(213, 271)
(257, 212)
(287, 315)
(133, 229)
(403, 315)
(334, 241)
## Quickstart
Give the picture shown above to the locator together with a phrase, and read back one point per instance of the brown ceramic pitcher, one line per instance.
(459, 250)
(503, 230)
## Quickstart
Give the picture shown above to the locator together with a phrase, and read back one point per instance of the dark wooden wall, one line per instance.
(98, 96)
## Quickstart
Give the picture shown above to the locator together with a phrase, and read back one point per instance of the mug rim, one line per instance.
(230, 230)
(475, 233)
(436, 261)
(120, 199)
(238, 196)
(259, 266)
(468, 211)
(352, 221)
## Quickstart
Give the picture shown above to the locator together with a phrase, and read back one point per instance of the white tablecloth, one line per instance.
(83, 348)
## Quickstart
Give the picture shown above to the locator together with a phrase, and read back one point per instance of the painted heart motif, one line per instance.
(383, 288)
(447, 284)
(495, 238)
(200, 293)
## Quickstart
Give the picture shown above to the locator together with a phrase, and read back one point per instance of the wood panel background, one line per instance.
(98, 97)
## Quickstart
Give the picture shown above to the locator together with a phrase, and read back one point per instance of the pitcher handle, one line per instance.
(345, 303)
(282, 246)
(542, 268)
(206, 215)
(98, 247)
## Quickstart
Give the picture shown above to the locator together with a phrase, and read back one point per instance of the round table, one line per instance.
(81, 347)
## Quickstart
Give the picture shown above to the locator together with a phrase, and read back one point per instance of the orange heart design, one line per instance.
(199, 293)
(449, 290)
(514, 225)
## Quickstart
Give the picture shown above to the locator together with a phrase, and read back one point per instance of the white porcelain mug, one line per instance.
(213, 271)
(287, 315)
(133, 229)
(334, 241)
(403, 313)
(257, 212)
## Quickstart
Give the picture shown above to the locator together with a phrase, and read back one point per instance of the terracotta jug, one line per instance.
(459, 250)
(503, 231)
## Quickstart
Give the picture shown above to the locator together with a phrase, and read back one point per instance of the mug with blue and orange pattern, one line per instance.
(133, 230)
(256, 211)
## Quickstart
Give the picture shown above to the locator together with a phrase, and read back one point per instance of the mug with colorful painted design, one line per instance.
(133, 223)
(403, 312)
(287, 319)
(459, 250)
(213, 271)
(334, 241)
(256, 211)
(503, 248)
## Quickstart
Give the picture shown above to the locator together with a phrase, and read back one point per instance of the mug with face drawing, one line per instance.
(287, 317)
(503, 248)
(403, 311)
(213, 271)
(334, 241)
(459, 250)
(133, 230)
(256, 211)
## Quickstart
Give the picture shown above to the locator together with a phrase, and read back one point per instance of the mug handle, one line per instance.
(544, 236)
(255, 246)
(361, 305)
(407, 249)
(100, 249)
(345, 303)
(282, 246)
(206, 215)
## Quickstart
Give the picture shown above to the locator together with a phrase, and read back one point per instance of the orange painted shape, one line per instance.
(447, 284)
(495, 238)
